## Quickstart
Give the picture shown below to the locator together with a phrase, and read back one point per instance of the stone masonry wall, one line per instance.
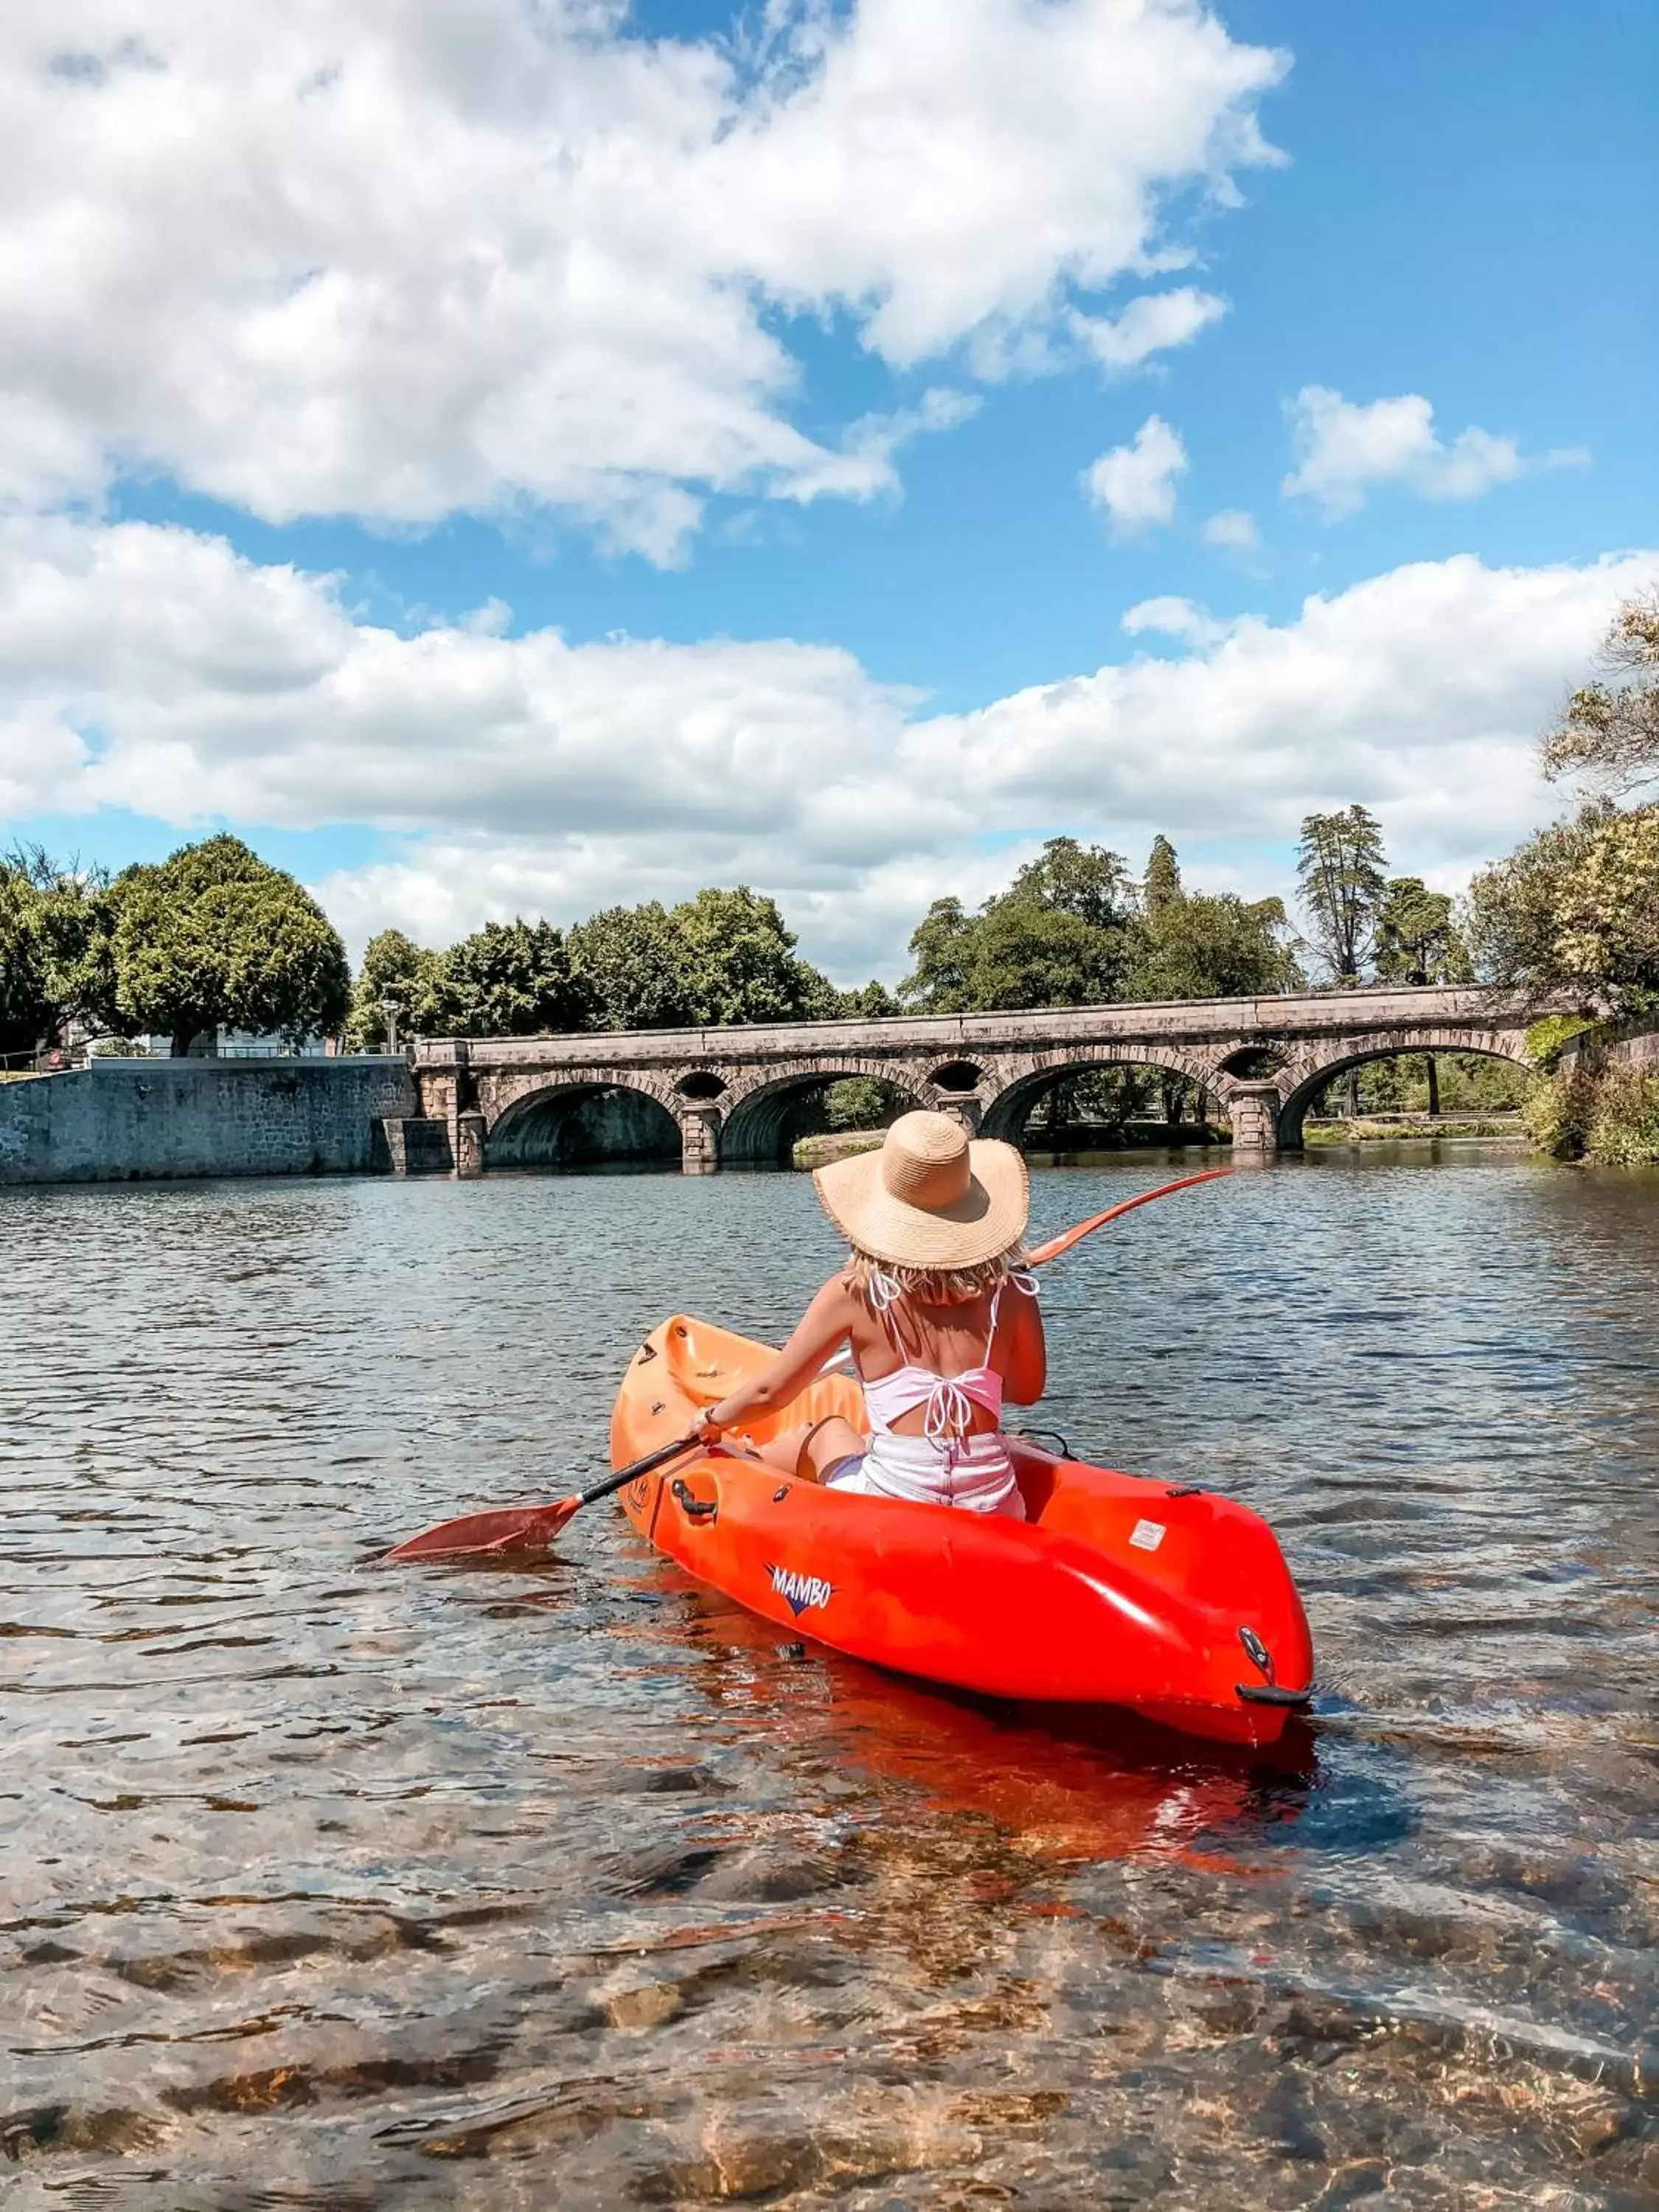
(122, 1120)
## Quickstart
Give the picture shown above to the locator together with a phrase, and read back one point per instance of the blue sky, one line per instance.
(1435, 297)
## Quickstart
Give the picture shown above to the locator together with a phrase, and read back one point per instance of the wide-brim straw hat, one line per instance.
(932, 1197)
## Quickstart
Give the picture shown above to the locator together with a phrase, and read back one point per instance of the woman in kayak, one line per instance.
(941, 1317)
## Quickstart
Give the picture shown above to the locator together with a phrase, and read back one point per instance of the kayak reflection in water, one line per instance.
(940, 1315)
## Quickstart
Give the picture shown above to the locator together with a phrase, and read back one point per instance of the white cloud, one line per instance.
(1342, 449)
(1153, 324)
(1182, 618)
(153, 669)
(330, 256)
(1232, 531)
(1135, 484)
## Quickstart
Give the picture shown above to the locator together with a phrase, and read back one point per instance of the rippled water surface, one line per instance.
(325, 1884)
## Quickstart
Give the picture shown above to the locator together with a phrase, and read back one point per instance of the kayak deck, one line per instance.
(1117, 1590)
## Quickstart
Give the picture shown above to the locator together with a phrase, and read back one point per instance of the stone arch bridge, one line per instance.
(732, 1095)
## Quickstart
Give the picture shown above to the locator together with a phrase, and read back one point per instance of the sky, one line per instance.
(521, 456)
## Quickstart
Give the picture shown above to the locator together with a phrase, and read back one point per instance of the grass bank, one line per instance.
(1391, 1130)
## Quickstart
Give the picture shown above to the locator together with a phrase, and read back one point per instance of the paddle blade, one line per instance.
(507, 1529)
(1067, 1237)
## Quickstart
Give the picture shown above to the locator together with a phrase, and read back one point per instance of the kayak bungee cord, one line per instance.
(520, 1529)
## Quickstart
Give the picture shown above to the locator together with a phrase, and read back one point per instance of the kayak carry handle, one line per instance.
(693, 1507)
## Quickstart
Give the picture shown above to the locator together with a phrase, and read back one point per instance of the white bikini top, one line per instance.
(949, 1399)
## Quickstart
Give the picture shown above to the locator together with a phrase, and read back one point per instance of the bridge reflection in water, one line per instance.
(739, 1096)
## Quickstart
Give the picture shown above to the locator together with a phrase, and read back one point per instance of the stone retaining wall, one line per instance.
(121, 1120)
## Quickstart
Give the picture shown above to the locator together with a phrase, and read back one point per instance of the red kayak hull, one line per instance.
(1172, 1602)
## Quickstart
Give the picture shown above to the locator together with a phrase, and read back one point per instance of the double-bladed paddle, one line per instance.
(515, 1528)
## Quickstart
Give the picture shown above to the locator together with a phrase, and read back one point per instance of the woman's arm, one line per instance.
(821, 1330)
(1026, 1373)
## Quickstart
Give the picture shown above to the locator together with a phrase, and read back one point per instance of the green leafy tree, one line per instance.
(1059, 936)
(873, 1002)
(1574, 913)
(394, 967)
(1213, 945)
(1609, 732)
(1205, 945)
(1418, 940)
(744, 965)
(1343, 868)
(1161, 885)
(508, 979)
(214, 935)
(1084, 880)
(941, 956)
(56, 956)
(1029, 954)
(634, 964)
(27, 1013)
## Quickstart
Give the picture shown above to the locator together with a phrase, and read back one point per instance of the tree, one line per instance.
(214, 935)
(742, 962)
(1213, 945)
(27, 1014)
(508, 979)
(55, 956)
(1574, 913)
(1029, 954)
(1059, 936)
(1204, 944)
(1161, 885)
(941, 954)
(1417, 940)
(1084, 880)
(1609, 732)
(634, 965)
(394, 967)
(874, 1002)
(1341, 865)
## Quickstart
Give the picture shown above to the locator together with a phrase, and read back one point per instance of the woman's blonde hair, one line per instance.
(935, 1287)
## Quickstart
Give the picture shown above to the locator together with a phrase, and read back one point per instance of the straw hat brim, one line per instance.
(981, 1226)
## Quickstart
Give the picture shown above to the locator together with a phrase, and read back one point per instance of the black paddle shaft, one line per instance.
(657, 1458)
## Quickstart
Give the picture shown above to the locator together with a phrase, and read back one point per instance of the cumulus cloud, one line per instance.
(1232, 531)
(1342, 449)
(1153, 324)
(1135, 484)
(330, 255)
(1174, 617)
(155, 669)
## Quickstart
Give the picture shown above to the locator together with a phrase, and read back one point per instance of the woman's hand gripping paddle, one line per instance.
(526, 1528)
(515, 1528)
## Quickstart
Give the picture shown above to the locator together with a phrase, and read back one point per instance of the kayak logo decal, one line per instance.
(800, 1593)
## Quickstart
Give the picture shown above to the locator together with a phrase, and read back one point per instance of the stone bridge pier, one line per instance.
(708, 1098)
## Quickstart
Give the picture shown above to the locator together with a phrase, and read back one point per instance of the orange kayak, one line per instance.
(1117, 1589)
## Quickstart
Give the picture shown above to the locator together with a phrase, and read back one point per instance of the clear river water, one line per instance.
(325, 1884)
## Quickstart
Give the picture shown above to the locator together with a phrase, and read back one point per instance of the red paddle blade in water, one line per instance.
(1067, 1237)
(509, 1529)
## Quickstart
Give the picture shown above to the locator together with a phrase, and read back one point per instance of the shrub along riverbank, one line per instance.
(1600, 1101)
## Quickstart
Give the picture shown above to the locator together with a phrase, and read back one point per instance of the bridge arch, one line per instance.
(764, 1114)
(585, 1119)
(1310, 1071)
(1025, 1079)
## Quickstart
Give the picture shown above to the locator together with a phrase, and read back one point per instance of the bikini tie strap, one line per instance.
(883, 1290)
(950, 1410)
(1024, 1280)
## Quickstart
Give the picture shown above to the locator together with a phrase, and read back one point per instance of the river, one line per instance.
(328, 1885)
